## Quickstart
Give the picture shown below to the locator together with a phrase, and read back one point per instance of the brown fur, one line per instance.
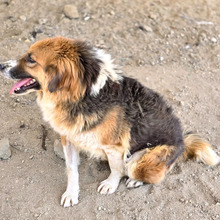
(200, 150)
(61, 73)
(152, 166)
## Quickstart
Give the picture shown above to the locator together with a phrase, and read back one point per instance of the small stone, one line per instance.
(86, 18)
(58, 149)
(145, 28)
(182, 200)
(71, 11)
(148, 29)
(23, 17)
(161, 59)
(42, 21)
(214, 40)
(31, 157)
(5, 151)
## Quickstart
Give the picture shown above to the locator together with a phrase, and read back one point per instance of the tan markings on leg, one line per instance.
(151, 166)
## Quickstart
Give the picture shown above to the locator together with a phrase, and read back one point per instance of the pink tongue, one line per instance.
(19, 84)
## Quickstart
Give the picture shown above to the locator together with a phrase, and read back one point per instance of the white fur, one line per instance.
(130, 183)
(8, 65)
(70, 197)
(208, 156)
(115, 160)
(108, 71)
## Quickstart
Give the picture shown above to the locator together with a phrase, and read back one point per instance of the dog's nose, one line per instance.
(2, 66)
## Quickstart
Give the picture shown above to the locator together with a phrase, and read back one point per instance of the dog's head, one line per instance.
(54, 65)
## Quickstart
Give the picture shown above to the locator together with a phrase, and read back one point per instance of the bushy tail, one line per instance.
(200, 150)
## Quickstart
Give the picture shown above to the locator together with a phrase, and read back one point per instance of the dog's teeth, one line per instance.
(34, 80)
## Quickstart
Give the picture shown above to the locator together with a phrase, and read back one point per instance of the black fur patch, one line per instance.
(151, 119)
(89, 62)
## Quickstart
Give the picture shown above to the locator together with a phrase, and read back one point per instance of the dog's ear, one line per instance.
(54, 83)
(54, 76)
(65, 75)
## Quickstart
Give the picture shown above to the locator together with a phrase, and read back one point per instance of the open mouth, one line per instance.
(24, 85)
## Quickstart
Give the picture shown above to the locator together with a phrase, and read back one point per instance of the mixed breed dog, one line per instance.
(96, 109)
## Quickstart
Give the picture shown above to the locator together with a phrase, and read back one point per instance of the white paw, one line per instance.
(107, 187)
(69, 199)
(133, 183)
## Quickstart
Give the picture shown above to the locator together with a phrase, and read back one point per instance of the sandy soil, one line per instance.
(170, 46)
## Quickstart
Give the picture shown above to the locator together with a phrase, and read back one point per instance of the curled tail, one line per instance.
(200, 150)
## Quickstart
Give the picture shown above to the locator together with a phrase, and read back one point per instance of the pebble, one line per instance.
(71, 11)
(23, 17)
(58, 149)
(86, 18)
(161, 59)
(148, 28)
(214, 40)
(42, 21)
(182, 200)
(5, 151)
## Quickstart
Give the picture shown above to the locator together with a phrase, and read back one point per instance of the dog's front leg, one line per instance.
(115, 160)
(70, 197)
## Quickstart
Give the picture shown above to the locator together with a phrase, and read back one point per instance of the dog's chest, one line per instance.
(87, 141)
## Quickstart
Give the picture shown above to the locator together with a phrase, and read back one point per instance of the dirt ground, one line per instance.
(172, 46)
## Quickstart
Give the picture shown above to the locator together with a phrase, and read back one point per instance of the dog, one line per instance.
(96, 109)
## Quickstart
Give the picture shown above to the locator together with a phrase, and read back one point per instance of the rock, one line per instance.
(5, 151)
(71, 11)
(148, 29)
(145, 28)
(58, 149)
(214, 40)
(23, 17)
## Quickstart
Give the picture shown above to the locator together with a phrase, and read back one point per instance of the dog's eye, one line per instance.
(29, 59)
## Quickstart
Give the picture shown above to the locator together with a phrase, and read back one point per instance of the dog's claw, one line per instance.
(133, 183)
(107, 187)
(69, 199)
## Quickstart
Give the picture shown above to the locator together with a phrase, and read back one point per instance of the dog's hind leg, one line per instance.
(115, 160)
(150, 166)
(70, 197)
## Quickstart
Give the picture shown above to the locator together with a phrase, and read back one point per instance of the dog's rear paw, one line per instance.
(107, 187)
(133, 183)
(69, 199)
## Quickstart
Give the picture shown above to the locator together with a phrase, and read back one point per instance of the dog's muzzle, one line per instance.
(6, 66)
(2, 67)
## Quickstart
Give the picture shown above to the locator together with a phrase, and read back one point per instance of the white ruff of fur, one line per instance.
(108, 71)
